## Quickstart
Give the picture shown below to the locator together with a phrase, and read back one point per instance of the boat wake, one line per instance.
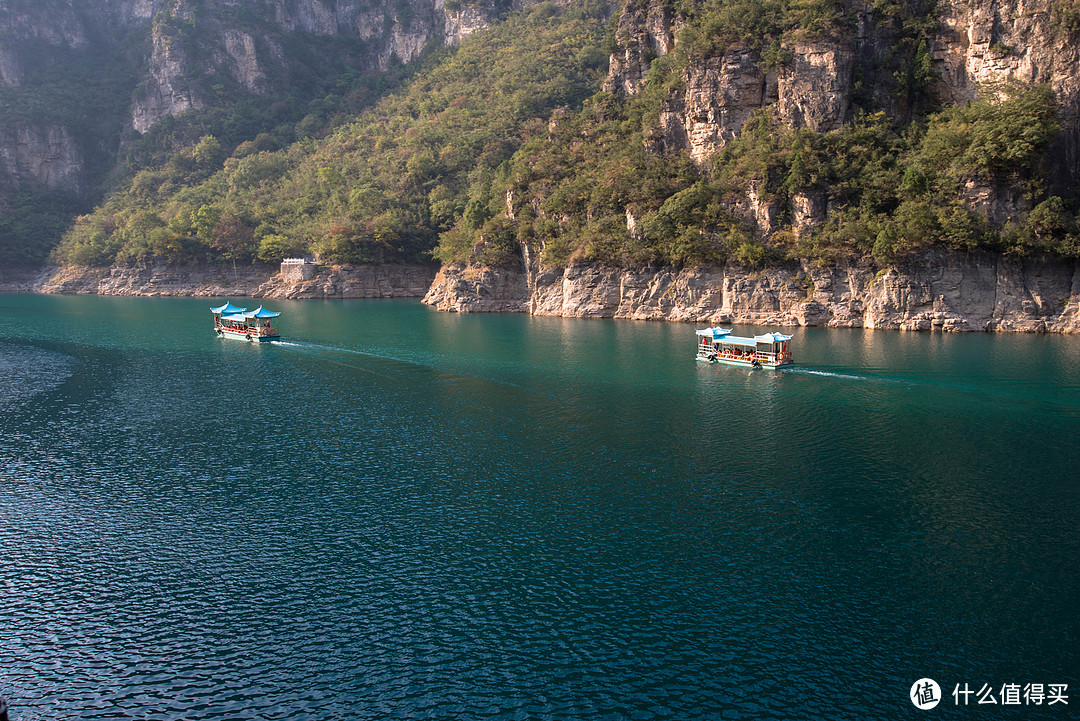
(835, 374)
(327, 353)
(925, 383)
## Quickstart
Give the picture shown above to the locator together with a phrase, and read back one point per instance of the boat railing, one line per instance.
(252, 330)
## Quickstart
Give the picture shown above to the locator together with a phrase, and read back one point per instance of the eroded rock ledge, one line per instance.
(387, 281)
(940, 290)
(943, 291)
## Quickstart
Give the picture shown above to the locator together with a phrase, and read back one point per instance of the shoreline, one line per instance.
(212, 281)
(942, 291)
(939, 290)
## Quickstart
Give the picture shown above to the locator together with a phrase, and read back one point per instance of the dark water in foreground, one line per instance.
(404, 514)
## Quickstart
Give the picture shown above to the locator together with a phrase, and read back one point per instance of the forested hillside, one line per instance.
(94, 91)
(773, 130)
(380, 189)
(677, 132)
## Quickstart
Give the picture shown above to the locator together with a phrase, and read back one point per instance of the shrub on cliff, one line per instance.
(990, 140)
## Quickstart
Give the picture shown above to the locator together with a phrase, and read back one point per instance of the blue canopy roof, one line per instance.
(772, 338)
(261, 312)
(227, 308)
(235, 317)
(750, 342)
(715, 333)
(739, 340)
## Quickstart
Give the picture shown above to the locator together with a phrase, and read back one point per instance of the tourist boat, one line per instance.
(244, 324)
(717, 345)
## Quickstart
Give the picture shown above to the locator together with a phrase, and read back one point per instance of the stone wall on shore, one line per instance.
(940, 290)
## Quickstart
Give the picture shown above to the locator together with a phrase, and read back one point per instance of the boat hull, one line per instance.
(248, 337)
(742, 363)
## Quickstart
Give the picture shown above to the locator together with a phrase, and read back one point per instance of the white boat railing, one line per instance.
(739, 353)
(263, 330)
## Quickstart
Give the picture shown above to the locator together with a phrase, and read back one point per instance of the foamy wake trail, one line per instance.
(831, 374)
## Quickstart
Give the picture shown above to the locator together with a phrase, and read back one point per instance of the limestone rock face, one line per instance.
(462, 22)
(181, 51)
(153, 279)
(808, 210)
(47, 22)
(10, 68)
(362, 281)
(982, 47)
(248, 72)
(215, 40)
(645, 31)
(720, 95)
(52, 22)
(253, 54)
(814, 89)
(938, 291)
(45, 154)
(983, 44)
(479, 290)
(162, 279)
(168, 88)
(979, 47)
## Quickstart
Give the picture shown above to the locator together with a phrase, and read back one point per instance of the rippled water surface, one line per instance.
(397, 513)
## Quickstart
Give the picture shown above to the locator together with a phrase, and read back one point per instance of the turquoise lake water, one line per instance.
(402, 514)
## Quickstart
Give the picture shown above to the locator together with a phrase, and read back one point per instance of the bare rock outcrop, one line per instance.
(479, 290)
(162, 279)
(720, 95)
(937, 291)
(349, 281)
(986, 47)
(155, 279)
(45, 154)
(190, 46)
(978, 49)
(814, 88)
(645, 31)
(10, 68)
(168, 89)
(179, 56)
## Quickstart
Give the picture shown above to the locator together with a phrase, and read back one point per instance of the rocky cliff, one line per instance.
(192, 41)
(975, 48)
(897, 59)
(163, 58)
(963, 51)
(161, 279)
(983, 47)
(938, 291)
(42, 154)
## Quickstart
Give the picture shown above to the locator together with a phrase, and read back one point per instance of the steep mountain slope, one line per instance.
(380, 189)
(772, 130)
(886, 164)
(91, 90)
